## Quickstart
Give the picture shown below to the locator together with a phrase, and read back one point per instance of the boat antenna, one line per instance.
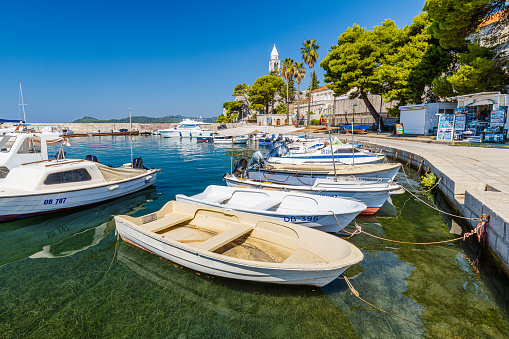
(22, 104)
(130, 135)
(332, 150)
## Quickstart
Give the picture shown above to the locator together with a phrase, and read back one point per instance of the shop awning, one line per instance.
(481, 103)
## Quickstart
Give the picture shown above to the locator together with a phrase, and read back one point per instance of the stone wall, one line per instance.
(81, 128)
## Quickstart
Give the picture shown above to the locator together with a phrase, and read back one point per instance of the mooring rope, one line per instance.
(478, 230)
(114, 253)
(355, 293)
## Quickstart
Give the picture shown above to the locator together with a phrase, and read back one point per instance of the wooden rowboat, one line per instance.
(239, 245)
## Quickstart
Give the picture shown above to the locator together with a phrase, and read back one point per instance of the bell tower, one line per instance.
(274, 62)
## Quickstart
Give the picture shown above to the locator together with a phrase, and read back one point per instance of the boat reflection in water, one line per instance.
(232, 306)
(68, 232)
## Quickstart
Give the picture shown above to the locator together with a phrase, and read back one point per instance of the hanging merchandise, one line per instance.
(495, 131)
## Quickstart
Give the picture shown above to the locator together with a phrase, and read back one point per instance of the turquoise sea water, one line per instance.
(65, 275)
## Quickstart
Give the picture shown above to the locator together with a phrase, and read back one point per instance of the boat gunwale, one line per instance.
(390, 186)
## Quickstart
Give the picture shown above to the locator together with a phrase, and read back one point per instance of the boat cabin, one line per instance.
(20, 148)
(63, 174)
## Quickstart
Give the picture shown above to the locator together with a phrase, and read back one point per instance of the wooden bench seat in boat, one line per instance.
(169, 220)
(302, 256)
(224, 238)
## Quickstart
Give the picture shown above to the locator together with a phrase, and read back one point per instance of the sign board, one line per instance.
(460, 122)
(400, 129)
(445, 127)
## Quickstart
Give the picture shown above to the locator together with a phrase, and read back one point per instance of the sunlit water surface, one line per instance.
(65, 275)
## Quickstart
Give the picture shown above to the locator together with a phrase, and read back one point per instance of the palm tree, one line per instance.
(287, 71)
(300, 72)
(310, 55)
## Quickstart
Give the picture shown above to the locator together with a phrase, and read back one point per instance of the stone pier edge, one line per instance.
(470, 200)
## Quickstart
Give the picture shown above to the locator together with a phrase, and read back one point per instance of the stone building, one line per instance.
(273, 120)
(494, 31)
(339, 110)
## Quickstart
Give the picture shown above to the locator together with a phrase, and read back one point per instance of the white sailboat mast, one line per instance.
(22, 104)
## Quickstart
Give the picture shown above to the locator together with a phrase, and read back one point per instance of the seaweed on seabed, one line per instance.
(428, 184)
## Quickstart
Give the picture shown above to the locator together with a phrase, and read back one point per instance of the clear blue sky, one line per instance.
(98, 58)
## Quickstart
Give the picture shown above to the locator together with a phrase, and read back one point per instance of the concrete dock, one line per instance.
(474, 179)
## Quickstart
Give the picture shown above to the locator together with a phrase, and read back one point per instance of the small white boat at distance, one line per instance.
(303, 209)
(238, 245)
(187, 128)
(372, 194)
(228, 140)
(55, 185)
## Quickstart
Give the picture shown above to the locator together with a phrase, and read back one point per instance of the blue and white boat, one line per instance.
(340, 153)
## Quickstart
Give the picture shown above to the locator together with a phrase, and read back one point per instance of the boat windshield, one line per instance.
(6, 143)
(30, 145)
(346, 150)
(188, 126)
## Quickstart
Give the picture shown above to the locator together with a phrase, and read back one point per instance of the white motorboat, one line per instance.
(307, 175)
(307, 210)
(371, 193)
(187, 128)
(22, 147)
(343, 154)
(239, 245)
(55, 185)
(228, 140)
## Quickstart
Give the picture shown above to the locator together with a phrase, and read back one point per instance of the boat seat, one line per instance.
(302, 256)
(265, 205)
(224, 238)
(169, 220)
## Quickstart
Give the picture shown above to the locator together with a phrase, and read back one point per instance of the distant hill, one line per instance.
(142, 120)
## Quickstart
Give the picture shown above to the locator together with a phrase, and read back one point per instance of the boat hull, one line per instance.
(23, 206)
(323, 222)
(184, 133)
(297, 178)
(373, 199)
(328, 160)
(218, 266)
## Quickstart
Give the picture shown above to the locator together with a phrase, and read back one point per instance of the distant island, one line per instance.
(143, 120)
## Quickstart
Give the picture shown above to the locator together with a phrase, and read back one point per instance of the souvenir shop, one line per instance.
(480, 117)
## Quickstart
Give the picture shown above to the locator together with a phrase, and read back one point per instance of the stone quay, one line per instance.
(475, 180)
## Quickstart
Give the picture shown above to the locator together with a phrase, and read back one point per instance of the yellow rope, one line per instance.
(359, 230)
(114, 253)
(354, 292)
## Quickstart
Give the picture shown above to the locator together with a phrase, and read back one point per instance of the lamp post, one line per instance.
(353, 147)
(130, 135)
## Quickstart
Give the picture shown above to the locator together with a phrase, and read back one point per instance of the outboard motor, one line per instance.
(240, 167)
(257, 160)
(91, 158)
(138, 163)
(60, 155)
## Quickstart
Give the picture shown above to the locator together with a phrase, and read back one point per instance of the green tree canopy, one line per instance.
(263, 92)
(453, 20)
(233, 109)
(397, 64)
(478, 72)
